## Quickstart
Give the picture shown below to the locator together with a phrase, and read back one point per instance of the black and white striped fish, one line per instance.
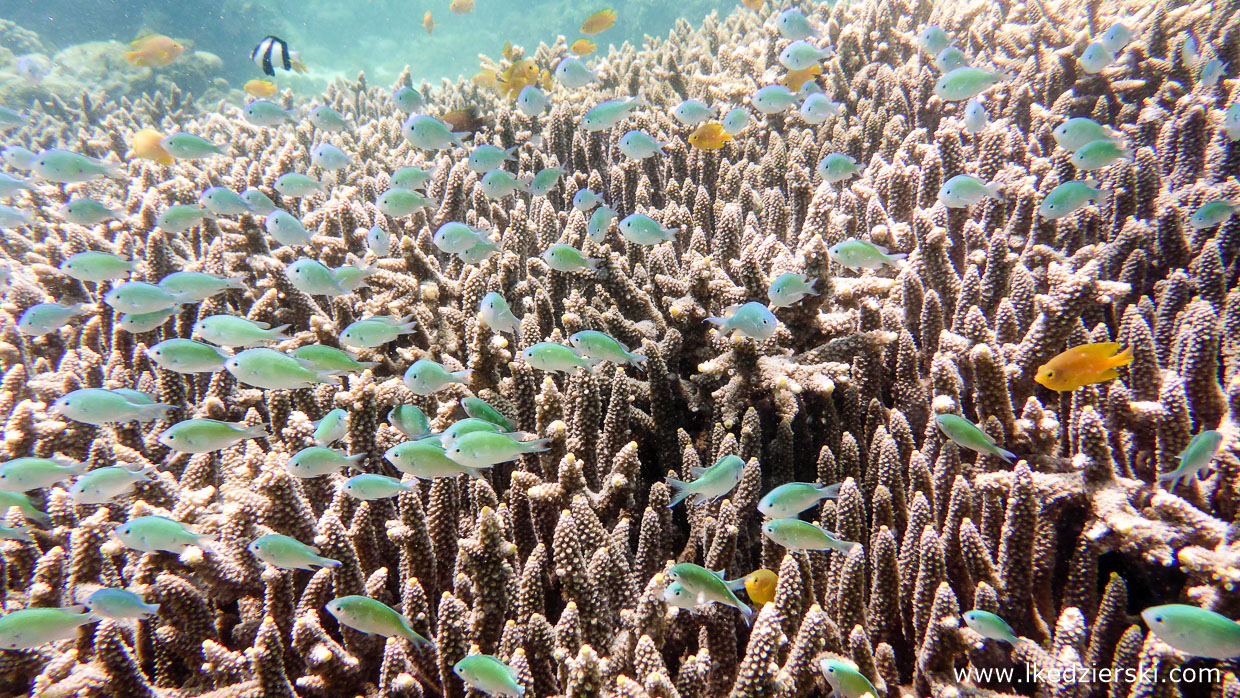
(271, 53)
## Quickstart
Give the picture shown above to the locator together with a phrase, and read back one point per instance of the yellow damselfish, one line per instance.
(583, 47)
(145, 145)
(1084, 365)
(760, 585)
(260, 88)
(153, 50)
(599, 22)
(709, 136)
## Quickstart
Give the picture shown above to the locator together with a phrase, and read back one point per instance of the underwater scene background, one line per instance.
(652, 350)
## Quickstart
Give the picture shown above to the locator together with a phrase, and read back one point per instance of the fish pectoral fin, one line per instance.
(1109, 374)
(701, 599)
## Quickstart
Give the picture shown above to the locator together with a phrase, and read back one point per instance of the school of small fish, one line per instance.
(494, 386)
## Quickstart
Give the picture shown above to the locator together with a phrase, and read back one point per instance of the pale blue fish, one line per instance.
(498, 184)
(968, 435)
(790, 499)
(260, 203)
(789, 288)
(773, 99)
(15, 156)
(480, 251)
(532, 101)
(194, 286)
(488, 675)
(797, 535)
(187, 356)
(328, 157)
(10, 185)
(25, 474)
(87, 212)
(1100, 154)
(572, 73)
(793, 25)
(179, 218)
(317, 461)
(296, 184)
(399, 203)
(142, 297)
(137, 323)
(187, 146)
(975, 117)
(97, 406)
(844, 679)
(932, 40)
(949, 59)
(965, 190)
(379, 241)
(838, 167)
(97, 266)
(584, 200)
(325, 118)
(370, 333)
(676, 595)
(1231, 121)
(313, 278)
(409, 420)
(273, 370)
(692, 112)
(735, 121)
(286, 229)
(752, 320)
(410, 178)
(323, 358)
(966, 82)
(426, 377)
(454, 237)
(119, 604)
(262, 112)
(486, 157)
(44, 318)
(369, 616)
(546, 180)
(857, 254)
(1190, 53)
(352, 277)
(707, 587)
(710, 483)
(1095, 58)
(600, 345)
(1211, 72)
(370, 486)
(802, 55)
(224, 202)
(22, 501)
(234, 331)
(1195, 459)
(12, 218)
(154, 534)
(102, 485)
(599, 223)
(556, 358)
(33, 68)
(641, 229)
(482, 449)
(817, 108)
(567, 258)
(69, 168)
(29, 628)
(1076, 133)
(494, 311)
(1070, 197)
(1116, 38)
(208, 435)
(639, 145)
(408, 100)
(990, 626)
(429, 133)
(1194, 631)
(1211, 214)
(286, 553)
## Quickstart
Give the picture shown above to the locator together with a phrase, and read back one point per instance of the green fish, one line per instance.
(102, 485)
(966, 82)
(788, 500)
(409, 178)
(272, 370)
(555, 357)
(711, 483)
(1070, 197)
(399, 203)
(10, 118)
(480, 251)
(486, 157)
(1100, 154)
(641, 229)
(318, 357)
(480, 409)
(857, 254)
(375, 618)
(187, 146)
(752, 319)
(409, 420)
(497, 184)
(600, 223)
(990, 626)
(9, 500)
(375, 332)
(325, 118)
(467, 426)
(427, 460)
(1074, 134)
(141, 297)
(789, 288)
(208, 435)
(494, 311)
(600, 345)
(288, 553)
(454, 237)
(489, 675)
(1194, 630)
(233, 331)
(296, 184)
(179, 218)
(19, 533)
(137, 323)
(610, 113)
(87, 212)
(187, 356)
(567, 258)
(119, 604)
(195, 286)
(351, 277)
(676, 595)
(34, 627)
(838, 167)
(707, 587)
(426, 377)
(69, 168)
(965, 190)
(968, 435)
(97, 266)
(845, 680)
(331, 428)
(795, 534)
(545, 181)
(25, 474)
(317, 461)
(368, 486)
(482, 449)
(1212, 214)
(153, 534)
(1195, 459)
(96, 406)
(262, 112)
(45, 318)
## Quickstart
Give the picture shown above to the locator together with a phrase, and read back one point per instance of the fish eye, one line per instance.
(1158, 619)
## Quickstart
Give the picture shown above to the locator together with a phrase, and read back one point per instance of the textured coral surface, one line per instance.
(556, 563)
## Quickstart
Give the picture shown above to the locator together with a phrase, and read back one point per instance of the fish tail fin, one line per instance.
(463, 376)
(407, 327)
(639, 360)
(670, 233)
(508, 153)
(523, 183)
(1171, 477)
(536, 446)
(258, 431)
(811, 288)
(278, 332)
(592, 263)
(680, 491)
(717, 321)
(746, 612)
(206, 542)
(115, 170)
(458, 135)
(898, 259)
(1005, 454)
(332, 377)
(995, 191)
(146, 472)
(236, 283)
(328, 562)
(1122, 359)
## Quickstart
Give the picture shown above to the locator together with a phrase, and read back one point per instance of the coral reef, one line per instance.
(557, 563)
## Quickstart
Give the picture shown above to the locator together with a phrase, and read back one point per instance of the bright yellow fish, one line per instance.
(583, 47)
(1084, 365)
(145, 145)
(796, 79)
(260, 88)
(428, 22)
(485, 78)
(760, 585)
(153, 50)
(516, 77)
(599, 22)
(753, 4)
(461, 7)
(709, 136)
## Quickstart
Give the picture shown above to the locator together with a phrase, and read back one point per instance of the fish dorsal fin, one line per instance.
(698, 471)
(718, 573)
(880, 248)
(314, 549)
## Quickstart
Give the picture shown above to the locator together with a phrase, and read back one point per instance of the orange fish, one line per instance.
(583, 47)
(260, 88)
(153, 50)
(753, 4)
(145, 145)
(599, 22)
(1084, 365)
(485, 78)
(796, 79)
(428, 22)
(709, 136)
(516, 77)
(760, 585)
(461, 7)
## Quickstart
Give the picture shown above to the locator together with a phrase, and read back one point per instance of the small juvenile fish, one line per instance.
(845, 680)
(761, 585)
(773, 99)
(137, 323)
(1231, 121)
(87, 212)
(317, 461)
(187, 356)
(966, 82)
(1194, 630)
(286, 553)
(455, 237)
(223, 201)
(207, 435)
(1212, 214)
(1095, 58)
(489, 675)
(119, 604)
(482, 449)
(692, 112)
(793, 25)
(375, 332)
(153, 534)
(34, 627)
(261, 112)
(709, 136)
(735, 120)
(1070, 197)
(429, 133)
(15, 156)
(97, 406)
(555, 357)
(1074, 134)
(572, 73)
(838, 167)
(798, 535)
(1083, 365)
(102, 485)
(1211, 72)
(583, 47)
(328, 157)
(531, 101)
(145, 144)
(97, 266)
(179, 218)
(327, 119)
(789, 288)
(641, 229)
(479, 252)
(379, 241)
(260, 203)
(286, 229)
(410, 178)
(706, 587)
(296, 184)
(712, 482)
(567, 258)
(1099, 154)
(975, 117)
(965, 190)
(498, 184)
(1116, 38)
(409, 420)
(317, 357)
(233, 331)
(313, 278)
(546, 180)
(788, 500)
(486, 157)
(43, 318)
(966, 434)
(494, 311)
(69, 168)
(932, 40)
(408, 99)
(752, 320)
(25, 474)
(585, 200)
(478, 408)
(800, 55)
(187, 146)
(8, 500)
(949, 59)
(599, 223)
(638, 145)
(817, 108)
(369, 616)
(990, 626)
(600, 345)
(369, 486)
(272, 370)
(141, 297)
(426, 377)
(1195, 459)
